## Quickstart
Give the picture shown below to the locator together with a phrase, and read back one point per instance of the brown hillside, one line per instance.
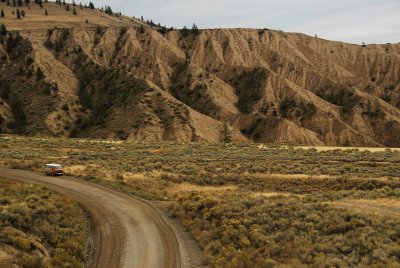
(116, 81)
(58, 17)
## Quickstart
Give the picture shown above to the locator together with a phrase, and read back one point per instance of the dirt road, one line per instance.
(127, 232)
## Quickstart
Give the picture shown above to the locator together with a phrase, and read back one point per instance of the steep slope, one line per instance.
(122, 80)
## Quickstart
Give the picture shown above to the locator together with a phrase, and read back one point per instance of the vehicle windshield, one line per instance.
(54, 166)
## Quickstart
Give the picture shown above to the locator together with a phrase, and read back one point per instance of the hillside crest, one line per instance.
(111, 76)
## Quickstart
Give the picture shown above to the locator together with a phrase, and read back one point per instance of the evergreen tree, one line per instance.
(3, 30)
(98, 30)
(142, 29)
(108, 10)
(17, 37)
(195, 29)
(226, 134)
(10, 44)
(46, 12)
(18, 14)
(19, 3)
(2, 14)
(91, 5)
(39, 74)
(67, 8)
(185, 31)
(8, 2)
(163, 30)
(74, 11)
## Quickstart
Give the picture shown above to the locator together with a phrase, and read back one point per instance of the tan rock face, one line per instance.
(270, 86)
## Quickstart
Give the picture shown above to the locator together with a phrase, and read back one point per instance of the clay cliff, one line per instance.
(110, 76)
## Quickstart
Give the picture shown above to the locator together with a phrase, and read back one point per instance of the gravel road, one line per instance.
(125, 231)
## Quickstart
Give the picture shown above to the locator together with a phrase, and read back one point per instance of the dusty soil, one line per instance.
(126, 231)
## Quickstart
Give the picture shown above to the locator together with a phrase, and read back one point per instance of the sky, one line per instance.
(352, 21)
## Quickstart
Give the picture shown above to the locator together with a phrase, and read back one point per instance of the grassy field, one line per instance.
(249, 205)
(39, 228)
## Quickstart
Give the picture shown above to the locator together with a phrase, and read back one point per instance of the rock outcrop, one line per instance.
(116, 78)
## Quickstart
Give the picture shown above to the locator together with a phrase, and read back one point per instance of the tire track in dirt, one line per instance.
(125, 231)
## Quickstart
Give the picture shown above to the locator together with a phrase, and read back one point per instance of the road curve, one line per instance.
(127, 232)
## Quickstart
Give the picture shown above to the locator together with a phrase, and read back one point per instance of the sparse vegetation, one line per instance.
(287, 105)
(341, 97)
(24, 87)
(249, 85)
(226, 136)
(39, 228)
(61, 40)
(101, 89)
(194, 94)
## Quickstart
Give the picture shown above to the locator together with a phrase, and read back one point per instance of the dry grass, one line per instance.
(270, 194)
(378, 207)
(58, 17)
(164, 167)
(206, 190)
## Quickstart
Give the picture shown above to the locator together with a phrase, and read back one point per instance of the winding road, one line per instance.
(125, 231)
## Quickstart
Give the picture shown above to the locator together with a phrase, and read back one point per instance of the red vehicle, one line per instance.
(54, 170)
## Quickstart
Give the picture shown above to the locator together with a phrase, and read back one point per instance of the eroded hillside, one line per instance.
(114, 78)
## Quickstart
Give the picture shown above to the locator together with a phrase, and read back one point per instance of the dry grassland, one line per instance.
(248, 206)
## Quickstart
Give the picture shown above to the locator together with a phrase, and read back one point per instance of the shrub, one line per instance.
(31, 215)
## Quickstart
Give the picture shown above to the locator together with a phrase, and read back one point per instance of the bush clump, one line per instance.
(39, 228)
